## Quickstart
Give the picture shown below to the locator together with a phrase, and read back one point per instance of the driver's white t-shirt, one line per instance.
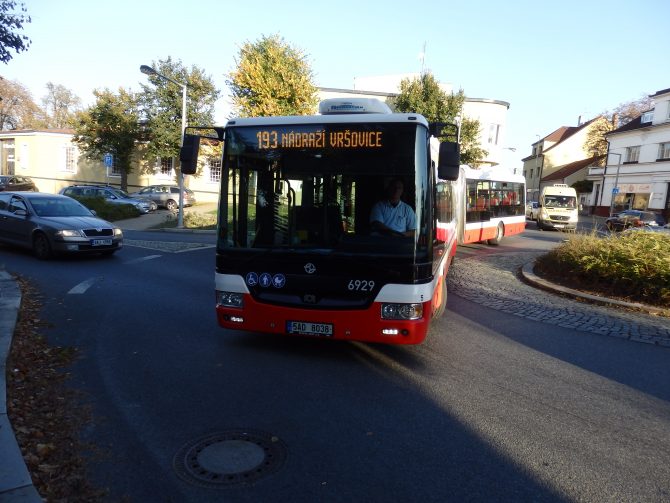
(400, 217)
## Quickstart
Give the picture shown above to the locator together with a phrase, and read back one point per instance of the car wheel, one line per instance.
(171, 204)
(41, 246)
(500, 232)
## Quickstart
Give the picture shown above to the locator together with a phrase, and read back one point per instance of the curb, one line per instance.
(530, 277)
(16, 486)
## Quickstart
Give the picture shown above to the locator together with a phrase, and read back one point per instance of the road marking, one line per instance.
(82, 287)
(142, 259)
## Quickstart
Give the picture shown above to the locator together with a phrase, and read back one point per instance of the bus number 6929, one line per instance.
(361, 285)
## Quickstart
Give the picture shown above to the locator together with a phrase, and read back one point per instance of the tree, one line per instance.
(17, 108)
(424, 96)
(272, 78)
(161, 105)
(596, 142)
(10, 23)
(630, 110)
(60, 106)
(111, 125)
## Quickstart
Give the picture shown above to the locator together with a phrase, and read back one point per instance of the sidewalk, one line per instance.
(16, 485)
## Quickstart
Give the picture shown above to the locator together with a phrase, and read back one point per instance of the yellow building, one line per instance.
(53, 161)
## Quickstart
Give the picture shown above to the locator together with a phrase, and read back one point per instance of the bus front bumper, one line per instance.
(354, 325)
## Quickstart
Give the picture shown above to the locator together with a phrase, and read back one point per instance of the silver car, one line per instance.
(110, 194)
(166, 196)
(50, 224)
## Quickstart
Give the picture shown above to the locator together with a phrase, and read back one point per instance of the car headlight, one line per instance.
(402, 311)
(118, 233)
(229, 299)
(69, 233)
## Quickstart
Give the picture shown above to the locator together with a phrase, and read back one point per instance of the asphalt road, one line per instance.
(495, 406)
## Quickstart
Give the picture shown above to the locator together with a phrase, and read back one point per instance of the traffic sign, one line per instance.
(615, 190)
(109, 160)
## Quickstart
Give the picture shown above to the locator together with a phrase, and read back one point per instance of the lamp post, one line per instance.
(616, 180)
(147, 70)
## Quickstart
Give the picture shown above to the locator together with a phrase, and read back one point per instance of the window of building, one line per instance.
(114, 169)
(214, 169)
(494, 132)
(164, 166)
(633, 153)
(70, 159)
(647, 117)
(664, 151)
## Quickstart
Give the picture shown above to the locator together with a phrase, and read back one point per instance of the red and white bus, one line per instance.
(493, 202)
(296, 253)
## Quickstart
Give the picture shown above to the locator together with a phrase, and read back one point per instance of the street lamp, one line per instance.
(147, 70)
(615, 189)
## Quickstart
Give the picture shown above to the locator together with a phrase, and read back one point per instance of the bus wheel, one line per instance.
(443, 298)
(500, 231)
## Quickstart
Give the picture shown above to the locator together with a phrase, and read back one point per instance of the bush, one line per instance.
(109, 211)
(632, 265)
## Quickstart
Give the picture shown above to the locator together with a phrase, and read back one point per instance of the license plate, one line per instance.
(309, 328)
(101, 242)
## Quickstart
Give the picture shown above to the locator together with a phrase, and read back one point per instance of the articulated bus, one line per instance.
(493, 202)
(296, 249)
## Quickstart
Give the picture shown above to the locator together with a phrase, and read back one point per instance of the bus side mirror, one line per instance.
(450, 161)
(188, 154)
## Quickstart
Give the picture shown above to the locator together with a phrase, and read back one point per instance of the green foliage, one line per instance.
(112, 126)
(583, 186)
(10, 23)
(633, 265)
(108, 211)
(161, 104)
(272, 78)
(424, 96)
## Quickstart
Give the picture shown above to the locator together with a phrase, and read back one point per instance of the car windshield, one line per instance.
(559, 201)
(4, 180)
(120, 193)
(57, 207)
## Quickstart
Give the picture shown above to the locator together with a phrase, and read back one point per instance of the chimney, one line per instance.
(579, 120)
(615, 120)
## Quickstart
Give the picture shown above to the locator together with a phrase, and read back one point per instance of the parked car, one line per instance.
(17, 183)
(166, 196)
(52, 223)
(111, 194)
(634, 218)
(532, 209)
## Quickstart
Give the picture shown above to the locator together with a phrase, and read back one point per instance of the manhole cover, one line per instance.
(231, 457)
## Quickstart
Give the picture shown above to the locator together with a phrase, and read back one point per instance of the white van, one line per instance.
(558, 208)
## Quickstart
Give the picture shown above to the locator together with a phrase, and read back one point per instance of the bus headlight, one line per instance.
(402, 311)
(229, 299)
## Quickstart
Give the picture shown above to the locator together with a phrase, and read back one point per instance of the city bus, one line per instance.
(297, 252)
(493, 202)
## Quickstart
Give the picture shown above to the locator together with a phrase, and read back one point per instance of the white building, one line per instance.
(637, 172)
(491, 114)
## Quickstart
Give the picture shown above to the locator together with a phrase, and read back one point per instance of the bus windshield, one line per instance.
(312, 187)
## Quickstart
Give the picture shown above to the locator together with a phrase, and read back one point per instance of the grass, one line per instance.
(192, 220)
(634, 266)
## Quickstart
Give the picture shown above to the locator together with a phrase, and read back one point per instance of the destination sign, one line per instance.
(269, 139)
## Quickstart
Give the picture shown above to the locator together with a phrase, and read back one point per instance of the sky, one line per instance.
(553, 62)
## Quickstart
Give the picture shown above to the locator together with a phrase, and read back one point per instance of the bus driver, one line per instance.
(392, 215)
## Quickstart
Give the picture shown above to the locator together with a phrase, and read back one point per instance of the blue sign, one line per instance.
(615, 190)
(109, 160)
